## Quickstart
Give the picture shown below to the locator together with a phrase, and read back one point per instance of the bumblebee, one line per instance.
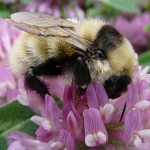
(83, 52)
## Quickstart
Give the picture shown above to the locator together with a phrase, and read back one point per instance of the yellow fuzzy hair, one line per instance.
(31, 50)
(88, 28)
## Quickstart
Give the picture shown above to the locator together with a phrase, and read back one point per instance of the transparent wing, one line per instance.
(48, 26)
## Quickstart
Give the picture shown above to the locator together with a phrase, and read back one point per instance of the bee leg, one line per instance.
(82, 74)
(124, 108)
(50, 68)
(82, 78)
(34, 83)
(78, 95)
(80, 91)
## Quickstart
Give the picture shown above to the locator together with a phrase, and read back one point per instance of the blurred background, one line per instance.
(130, 17)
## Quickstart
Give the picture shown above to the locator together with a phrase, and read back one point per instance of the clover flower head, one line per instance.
(93, 121)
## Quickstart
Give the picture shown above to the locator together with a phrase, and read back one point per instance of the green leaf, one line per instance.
(147, 27)
(93, 11)
(3, 143)
(4, 14)
(144, 59)
(124, 5)
(133, 1)
(26, 1)
(2, 6)
(27, 127)
(58, 102)
(15, 116)
(89, 2)
(4, 11)
(104, 9)
(12, 115)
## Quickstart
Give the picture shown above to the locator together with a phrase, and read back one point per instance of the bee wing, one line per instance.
(48, 26)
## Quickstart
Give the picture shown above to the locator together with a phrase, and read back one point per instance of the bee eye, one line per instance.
(100, 54)
(96, 53)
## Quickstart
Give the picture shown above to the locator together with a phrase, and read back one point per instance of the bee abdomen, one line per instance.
(29, 50)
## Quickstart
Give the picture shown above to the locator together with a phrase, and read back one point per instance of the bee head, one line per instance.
(96, 53)
(111, 60)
